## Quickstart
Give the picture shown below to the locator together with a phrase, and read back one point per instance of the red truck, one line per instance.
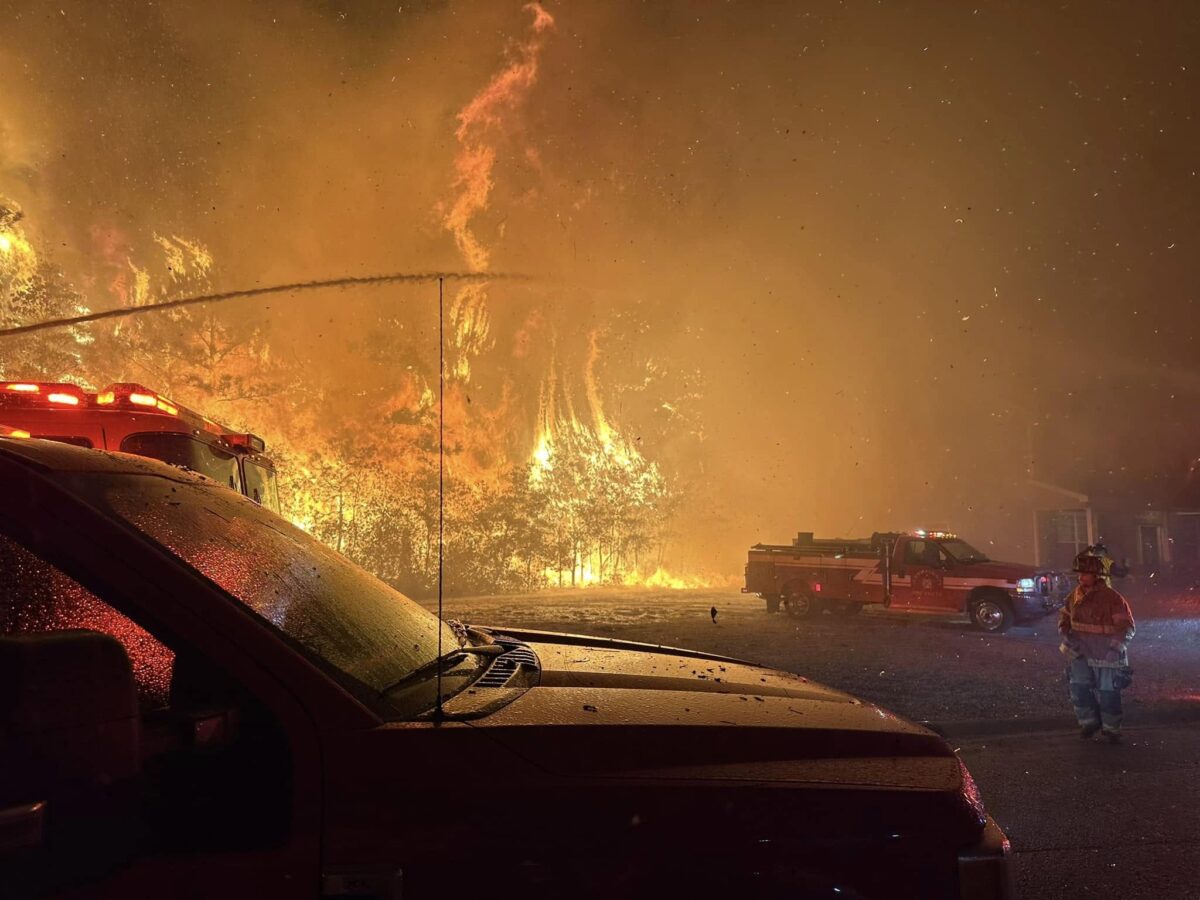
(201, 700)
(135, 419)
(932, 572)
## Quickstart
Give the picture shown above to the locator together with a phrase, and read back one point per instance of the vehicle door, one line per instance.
(918, 581)
(226, 801)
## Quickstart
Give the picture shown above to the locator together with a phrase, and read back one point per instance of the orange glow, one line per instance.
(19, 433)
(23, 388)
(65, 399)
(661, 578)
(482, 123)
(143, 399)
(105, 399)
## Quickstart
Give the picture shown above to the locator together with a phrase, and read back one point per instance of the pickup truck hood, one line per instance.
(670, 714)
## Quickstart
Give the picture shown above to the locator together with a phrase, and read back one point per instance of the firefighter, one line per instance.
(1111, 567)
(1096, 627)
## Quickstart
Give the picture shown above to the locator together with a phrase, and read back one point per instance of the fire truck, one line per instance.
(928, 572)
(134, 419)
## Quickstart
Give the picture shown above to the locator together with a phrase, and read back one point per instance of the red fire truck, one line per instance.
(932, 572)
(134, 419)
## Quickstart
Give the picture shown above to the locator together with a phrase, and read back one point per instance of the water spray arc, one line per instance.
(361, 281)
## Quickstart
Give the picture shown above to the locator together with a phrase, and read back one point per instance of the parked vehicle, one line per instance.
(201, 700)
(928, 572)
(135, 419)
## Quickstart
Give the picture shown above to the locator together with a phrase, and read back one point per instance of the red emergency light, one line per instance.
(131, 394)
(251, 442)
(935, 535)
(122, 395)
(31, 393)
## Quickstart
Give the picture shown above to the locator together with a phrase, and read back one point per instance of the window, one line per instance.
(192, 784)
(186, 451)
(36, 597)
(923, 553)
(260, 484)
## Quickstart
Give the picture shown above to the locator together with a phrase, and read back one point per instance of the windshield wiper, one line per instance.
(434, 665)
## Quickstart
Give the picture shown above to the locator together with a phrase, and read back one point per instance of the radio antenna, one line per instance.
(441, 469)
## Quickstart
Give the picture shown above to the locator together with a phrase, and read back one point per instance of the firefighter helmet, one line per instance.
(1087, 563)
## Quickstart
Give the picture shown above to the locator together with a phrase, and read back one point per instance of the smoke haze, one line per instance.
(847, 266)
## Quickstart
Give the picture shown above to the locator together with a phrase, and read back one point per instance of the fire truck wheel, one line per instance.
(797, 601)
(991, 613)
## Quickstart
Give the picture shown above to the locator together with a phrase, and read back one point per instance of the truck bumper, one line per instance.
(985, 870)
(1027, 606)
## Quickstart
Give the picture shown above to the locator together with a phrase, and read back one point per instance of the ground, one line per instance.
(1086, 819)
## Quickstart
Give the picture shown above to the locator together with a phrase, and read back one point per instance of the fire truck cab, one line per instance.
(930, 572)
(134, 419)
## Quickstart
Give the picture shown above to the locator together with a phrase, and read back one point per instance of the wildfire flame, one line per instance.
(603, 495)
(477, 122)
(18, 259)
(480, 123)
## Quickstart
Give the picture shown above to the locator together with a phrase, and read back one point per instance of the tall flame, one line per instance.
(480, 122)
(477, 123)
(606, 501)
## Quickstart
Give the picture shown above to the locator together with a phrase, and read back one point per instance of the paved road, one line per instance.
(1086, 819)
(1090, 820)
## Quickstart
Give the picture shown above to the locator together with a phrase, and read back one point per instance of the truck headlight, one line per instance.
(1025, 585)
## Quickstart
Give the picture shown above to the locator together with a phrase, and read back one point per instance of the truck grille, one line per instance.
(506, 665)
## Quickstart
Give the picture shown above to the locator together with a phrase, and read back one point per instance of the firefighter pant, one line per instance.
(1095, 696)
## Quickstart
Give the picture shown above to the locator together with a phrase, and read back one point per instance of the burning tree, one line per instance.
(32, 290)
(605, 504)
(210, 357)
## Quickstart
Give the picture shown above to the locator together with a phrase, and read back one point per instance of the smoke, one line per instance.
(833, 268)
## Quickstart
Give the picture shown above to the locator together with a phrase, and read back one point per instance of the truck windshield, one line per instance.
(351, 621)
(963, 552)
(261, 486)
(184, 450)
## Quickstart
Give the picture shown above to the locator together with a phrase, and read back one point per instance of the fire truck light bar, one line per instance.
(936, 535)
(249, 441)
(59, 392)
(27, 393)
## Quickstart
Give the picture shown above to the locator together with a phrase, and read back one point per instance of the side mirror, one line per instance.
(69, 757)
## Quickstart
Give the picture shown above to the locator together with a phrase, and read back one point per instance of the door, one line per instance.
(221, 803)
(918, 582)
